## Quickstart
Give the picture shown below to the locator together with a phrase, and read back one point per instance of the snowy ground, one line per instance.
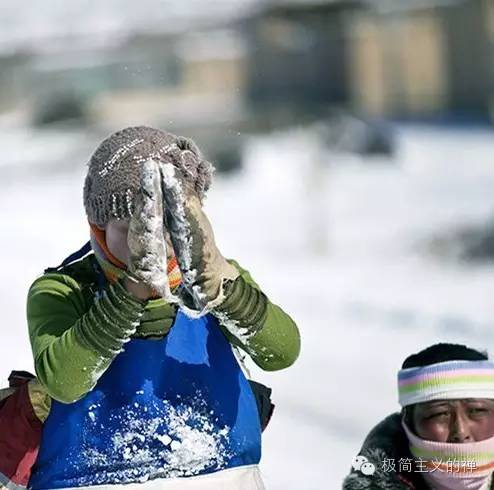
(336, 241)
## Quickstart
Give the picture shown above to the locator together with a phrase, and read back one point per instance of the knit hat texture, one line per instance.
(114, 170)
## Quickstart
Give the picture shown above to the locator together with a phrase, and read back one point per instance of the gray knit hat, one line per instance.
(113, 178)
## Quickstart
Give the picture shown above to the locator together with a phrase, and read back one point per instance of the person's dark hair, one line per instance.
(438, 353)
(442, 353)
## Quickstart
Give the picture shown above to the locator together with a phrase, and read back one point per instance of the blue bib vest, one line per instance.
(175, 407)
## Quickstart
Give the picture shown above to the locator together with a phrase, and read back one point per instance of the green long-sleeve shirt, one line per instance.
(76, 332)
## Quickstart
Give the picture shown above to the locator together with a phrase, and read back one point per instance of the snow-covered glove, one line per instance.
(204, 270)
(146, 240)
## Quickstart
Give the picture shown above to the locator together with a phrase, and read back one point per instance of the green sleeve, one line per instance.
(256, 325)
(72, 344)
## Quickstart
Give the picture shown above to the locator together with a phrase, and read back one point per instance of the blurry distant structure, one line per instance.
(199, 92)
(424, 58)
(345, 133)
(298, 59)
(270, 64)
(187, 83)
(379, 58)
(299, 71)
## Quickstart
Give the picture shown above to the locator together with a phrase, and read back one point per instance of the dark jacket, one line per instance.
(386, 442)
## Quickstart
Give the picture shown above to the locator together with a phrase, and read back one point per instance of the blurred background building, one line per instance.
(259, 66)
(353, 141)
(401, 58)
(427, 59)
(263, 65)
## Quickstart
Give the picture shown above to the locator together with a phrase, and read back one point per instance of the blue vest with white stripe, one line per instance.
(175, 407)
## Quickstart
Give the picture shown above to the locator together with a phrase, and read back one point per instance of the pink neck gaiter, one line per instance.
(453, 466)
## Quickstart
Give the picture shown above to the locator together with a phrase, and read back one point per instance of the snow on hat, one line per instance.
(114, 170)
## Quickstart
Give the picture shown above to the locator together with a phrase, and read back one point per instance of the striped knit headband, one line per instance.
(446, 381)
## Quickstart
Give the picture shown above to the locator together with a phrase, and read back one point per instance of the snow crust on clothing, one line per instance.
(112, 164)
(233, 326)
(146, 235)
(173, 188)
(190, 444)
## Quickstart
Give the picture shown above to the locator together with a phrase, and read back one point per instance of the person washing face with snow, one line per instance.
(443, 439)
(134, 341)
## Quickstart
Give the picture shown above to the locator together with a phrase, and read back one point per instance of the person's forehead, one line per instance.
(456, 401)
